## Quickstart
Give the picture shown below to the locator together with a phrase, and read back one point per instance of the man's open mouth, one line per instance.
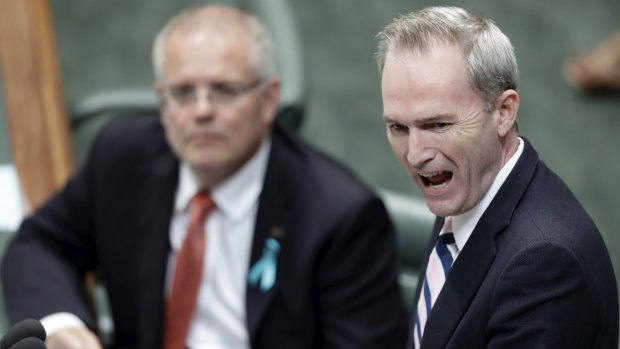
(436, 179)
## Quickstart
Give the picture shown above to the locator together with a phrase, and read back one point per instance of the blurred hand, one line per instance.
(73, 338)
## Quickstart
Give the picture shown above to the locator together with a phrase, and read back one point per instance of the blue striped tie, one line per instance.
(439, 263)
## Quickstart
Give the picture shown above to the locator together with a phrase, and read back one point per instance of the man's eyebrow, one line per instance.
(388, 118)
(434, 118)
(423, 120)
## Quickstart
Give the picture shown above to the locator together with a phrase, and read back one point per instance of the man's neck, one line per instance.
(509, 147)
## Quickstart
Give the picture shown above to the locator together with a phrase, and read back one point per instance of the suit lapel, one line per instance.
(473, 262)
(275, 219)
(158, 183)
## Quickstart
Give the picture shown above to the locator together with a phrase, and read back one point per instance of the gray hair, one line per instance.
(262, 60)
(489, 56)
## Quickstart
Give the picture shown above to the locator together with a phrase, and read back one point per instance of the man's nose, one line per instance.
(203, 105)
(418, 150)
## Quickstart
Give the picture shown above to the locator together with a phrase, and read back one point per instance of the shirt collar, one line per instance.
(463, 225)
(237, 194)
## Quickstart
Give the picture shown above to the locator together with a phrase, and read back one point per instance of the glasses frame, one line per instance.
(221, 94)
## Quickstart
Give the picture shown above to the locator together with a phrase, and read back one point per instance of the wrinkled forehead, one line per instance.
(438, 74)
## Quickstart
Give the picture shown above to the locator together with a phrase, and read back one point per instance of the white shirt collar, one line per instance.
(463, 225)
(236, 195)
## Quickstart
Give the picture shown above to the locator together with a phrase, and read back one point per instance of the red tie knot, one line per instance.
(200, 205)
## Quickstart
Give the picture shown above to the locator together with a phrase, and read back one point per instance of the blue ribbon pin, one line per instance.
(265, 268)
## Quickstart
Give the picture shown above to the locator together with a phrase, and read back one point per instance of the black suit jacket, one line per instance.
(535, 273)
(336, 283)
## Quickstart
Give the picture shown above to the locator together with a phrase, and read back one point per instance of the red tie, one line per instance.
(187, 275)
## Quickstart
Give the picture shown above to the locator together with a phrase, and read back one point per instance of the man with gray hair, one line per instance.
(212, 225)
(514, 260)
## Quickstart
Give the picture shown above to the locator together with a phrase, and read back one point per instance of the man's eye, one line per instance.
(436, 126)
(396, 127)
(183, 93)
(226, 90)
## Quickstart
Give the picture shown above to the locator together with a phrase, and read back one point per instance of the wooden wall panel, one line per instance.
(34, 98)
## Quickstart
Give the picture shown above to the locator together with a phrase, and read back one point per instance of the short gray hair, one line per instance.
(263, 60)
(489, 56)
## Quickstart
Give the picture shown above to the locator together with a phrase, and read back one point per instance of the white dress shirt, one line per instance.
(463, 225)
(220, 319)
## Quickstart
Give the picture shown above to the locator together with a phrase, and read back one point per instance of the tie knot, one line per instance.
(446, 235)
(200, 205)
(446, 239)
(447, 226)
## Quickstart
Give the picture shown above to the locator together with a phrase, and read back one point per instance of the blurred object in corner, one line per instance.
(598, 69)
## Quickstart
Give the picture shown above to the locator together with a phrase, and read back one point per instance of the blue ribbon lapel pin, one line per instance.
(263, 272)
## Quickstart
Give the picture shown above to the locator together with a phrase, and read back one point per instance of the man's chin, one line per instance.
(442, 208)
(205, 163)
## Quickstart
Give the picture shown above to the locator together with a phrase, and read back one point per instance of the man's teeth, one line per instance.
(430, 175)
(438, 185)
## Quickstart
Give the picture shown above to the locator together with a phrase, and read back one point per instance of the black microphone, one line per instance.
(29, 343)
(25, 334)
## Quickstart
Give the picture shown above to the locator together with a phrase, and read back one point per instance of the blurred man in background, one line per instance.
(211, 225)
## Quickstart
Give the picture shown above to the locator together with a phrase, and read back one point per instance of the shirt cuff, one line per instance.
(60, 321)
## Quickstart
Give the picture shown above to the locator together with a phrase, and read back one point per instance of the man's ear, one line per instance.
(161, 101)
(272, 99)
(507, 106)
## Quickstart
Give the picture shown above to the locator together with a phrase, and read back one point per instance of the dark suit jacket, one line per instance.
(535, 273)
(336, 283)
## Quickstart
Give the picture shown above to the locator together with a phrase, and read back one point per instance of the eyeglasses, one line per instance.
(186, 95)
